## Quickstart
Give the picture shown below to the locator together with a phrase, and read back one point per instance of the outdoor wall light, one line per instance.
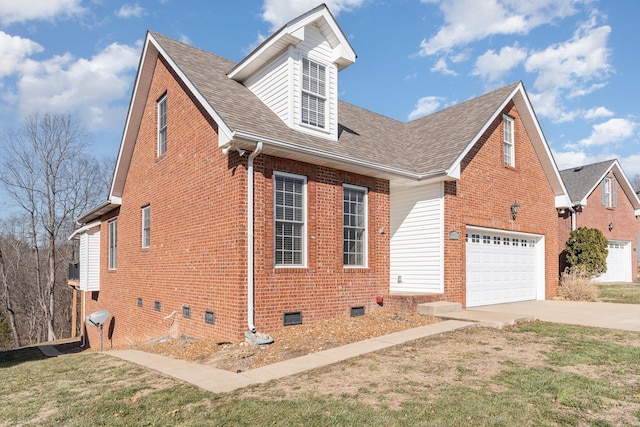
(515, 208)
(610, 226)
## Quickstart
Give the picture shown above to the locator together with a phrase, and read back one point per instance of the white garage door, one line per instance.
(503, 266)
(618, 263)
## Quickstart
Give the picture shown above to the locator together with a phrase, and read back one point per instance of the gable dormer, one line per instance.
(295, 72)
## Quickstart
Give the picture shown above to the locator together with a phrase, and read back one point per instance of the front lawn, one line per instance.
(532, 374)
(623, 293)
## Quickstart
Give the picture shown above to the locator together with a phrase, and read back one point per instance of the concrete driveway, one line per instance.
(598, 314)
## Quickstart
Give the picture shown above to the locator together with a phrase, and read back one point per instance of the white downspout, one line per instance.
(250, 243)
(573, 218)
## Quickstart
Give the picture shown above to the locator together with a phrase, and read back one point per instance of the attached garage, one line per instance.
(503, 266)
(619, 263)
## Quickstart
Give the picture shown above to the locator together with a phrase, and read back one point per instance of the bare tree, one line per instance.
(635, 182)
(47, 174)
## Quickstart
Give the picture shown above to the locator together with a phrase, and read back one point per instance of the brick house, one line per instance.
(247, 196)
(602, 197)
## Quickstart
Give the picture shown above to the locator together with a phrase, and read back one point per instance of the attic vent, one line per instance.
(578, 169)
(357, 311)
(292, 318)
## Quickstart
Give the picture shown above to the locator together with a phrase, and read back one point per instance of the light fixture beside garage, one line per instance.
(610, 226)
(515, 208)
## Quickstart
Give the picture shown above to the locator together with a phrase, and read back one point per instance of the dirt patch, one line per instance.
(289, 342)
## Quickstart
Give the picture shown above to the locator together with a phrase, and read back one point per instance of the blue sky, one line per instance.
(578, 59)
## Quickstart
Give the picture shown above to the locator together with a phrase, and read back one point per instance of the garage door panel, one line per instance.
(508, 270)
(619, 261)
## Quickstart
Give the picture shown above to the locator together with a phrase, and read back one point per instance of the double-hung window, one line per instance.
(162, 125)
(146, 226)
(509, 152)
(113, 244)
(314, 89)
(354, 226)
(609, 192)
(289, 212)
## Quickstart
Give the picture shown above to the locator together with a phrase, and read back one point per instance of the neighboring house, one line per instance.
(247, 196)
(603, 198)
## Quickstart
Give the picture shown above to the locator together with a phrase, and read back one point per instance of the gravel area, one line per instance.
(289, 342)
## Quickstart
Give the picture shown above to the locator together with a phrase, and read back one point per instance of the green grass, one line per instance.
(619, 293)
(581, 376)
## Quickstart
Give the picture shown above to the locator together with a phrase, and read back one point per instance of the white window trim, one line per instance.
(113, 244)
(146, 211)
(304, 219)
(508, 143)
(162, 130)
(365, 242)
(324, 97)
(609, 192)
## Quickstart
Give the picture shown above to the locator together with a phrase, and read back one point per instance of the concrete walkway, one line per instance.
(221, 381)
(597, 314)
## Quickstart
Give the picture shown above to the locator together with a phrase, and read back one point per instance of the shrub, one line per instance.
(587, 249)
(577, 285)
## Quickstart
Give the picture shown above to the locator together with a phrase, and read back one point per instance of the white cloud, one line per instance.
(573, 158)
(279, 12)
(548, 104)
(13, 51)
(425, 106)
(492, 66)
(574, 64)
(630, 165)
(25, 10)
(130, 11)
(86, 87)
(597, 113)
(609, 132)
(467, 21)
(442, 67)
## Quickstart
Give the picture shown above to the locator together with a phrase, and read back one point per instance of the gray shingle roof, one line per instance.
(581, 180)
(426, 145)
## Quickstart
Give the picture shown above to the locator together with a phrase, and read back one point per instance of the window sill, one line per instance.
(509, 167)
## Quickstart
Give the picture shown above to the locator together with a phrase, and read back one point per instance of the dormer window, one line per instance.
(314, 93)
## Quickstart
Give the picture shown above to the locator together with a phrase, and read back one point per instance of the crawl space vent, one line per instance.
(209, 317)
(186, 311)
(139, 302)
(292, 318)
(156, 305)
(357, 311)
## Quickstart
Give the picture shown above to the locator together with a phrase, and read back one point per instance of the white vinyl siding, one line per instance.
(290, 220)
(90, 260)
(146, 226)
(509, 151)
(354, 226)
(162, 125)
(417, 255)
(271, 86)
(113, 245)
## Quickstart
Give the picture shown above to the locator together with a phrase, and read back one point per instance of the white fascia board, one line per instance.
(84, 229)
(283, 146)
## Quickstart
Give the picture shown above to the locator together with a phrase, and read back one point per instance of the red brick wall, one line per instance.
(625, 224)
(198, 252)
(324, 289)
(483, 197)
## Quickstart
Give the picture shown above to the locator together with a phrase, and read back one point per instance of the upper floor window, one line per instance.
(146, 226)
(314, 96)
(354, 226)
(162, 125)
(509, 154)
(289, 213)
(113, 244)
(609, 192)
